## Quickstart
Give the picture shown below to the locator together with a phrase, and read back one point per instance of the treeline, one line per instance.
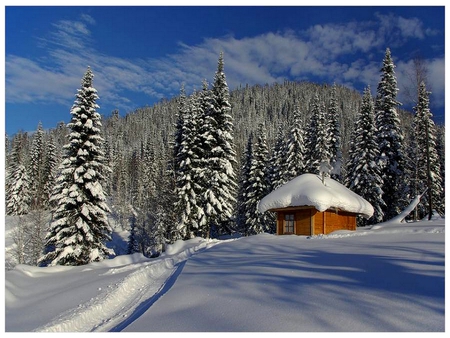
(198, 164)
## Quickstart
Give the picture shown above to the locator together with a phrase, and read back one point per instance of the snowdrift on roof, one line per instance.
(308, 190)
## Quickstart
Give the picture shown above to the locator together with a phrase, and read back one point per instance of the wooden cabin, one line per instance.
(310, 205)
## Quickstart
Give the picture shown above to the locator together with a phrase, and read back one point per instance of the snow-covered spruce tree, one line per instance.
(157, 231)
(18, 194)
(390, 140)
(178, 134)
(220, 157)
(334, 137)
(427, 159)
(206, 199)
(134, 239)
(37, 179)
(80, 228)
(364, 172)
(295, 149)
(244, 186)
(440, 148)
(258, 186)
(188, 204)
(278, 168)
(316, 144)
(135, 179)
(165, 196)
(50, 167)
(311, 135)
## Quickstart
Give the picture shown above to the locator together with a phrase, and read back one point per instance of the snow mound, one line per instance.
(308, 190)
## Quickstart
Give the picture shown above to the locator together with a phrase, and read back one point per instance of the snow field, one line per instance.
(138, 285)
(387, 278)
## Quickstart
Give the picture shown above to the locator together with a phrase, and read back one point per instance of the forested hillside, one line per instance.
(142, 150)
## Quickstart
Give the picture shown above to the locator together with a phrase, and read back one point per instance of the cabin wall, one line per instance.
(339, 221)
(309, 219)
(318, 223)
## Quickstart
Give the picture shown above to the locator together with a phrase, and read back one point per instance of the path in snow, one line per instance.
(123, 302)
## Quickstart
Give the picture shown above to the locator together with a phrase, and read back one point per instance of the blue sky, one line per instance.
(141, 54)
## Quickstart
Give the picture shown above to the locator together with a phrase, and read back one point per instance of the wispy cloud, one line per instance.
(348, 53)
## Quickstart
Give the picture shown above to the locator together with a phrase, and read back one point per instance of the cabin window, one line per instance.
(289, 223)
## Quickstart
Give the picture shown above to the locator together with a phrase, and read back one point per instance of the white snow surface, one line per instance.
(388, 278)
(308, 190)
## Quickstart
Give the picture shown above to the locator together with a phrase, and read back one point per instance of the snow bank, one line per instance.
(308, 190)
(98, 296)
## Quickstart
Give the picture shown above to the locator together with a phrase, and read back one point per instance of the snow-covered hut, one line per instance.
(310, 205)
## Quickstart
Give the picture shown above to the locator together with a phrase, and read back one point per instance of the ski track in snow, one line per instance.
(121, 303)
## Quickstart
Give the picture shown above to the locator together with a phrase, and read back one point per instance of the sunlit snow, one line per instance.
(388, 278)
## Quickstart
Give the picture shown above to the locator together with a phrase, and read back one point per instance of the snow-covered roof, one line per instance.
(308, 190)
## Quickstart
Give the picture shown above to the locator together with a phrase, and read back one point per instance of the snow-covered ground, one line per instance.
(388, 278)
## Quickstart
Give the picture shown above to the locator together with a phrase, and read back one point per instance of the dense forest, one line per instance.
(231, 148)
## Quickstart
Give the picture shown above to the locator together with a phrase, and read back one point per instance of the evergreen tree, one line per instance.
(157, 232)
(166, 197)
(295, 150)
(50, 167)
(134, 239)
(258, 187)
(178, 135)
(440, 148)
(80, 227)
(334, 137)
(188, 177)
(220, 156)
(390, 140)
(37, 180)
(278, 169)
(364, 172)
(317, 143)
(18, 194)
(244, 187)
(427, 159)
(206, 179)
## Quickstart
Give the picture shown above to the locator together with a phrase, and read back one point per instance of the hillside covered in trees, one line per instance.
(198, 164)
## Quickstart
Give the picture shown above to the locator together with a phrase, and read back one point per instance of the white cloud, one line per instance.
(27, 81)
(411, 28)
(335, 53)
(88, 19)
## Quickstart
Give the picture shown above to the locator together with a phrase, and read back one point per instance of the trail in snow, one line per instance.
(144, 306)
(121, 303)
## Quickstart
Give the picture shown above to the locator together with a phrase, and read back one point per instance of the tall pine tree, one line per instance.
(220, 195)
(18, 194)
(390, 140)
(427, 159)
(317, 143)
(295, 149)
(334, 137)
(278, 168)
(50, 167)
(37, 179)
(244, 187)
(258, 186)
(364, 172)
(80, 226)
(188, 204)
